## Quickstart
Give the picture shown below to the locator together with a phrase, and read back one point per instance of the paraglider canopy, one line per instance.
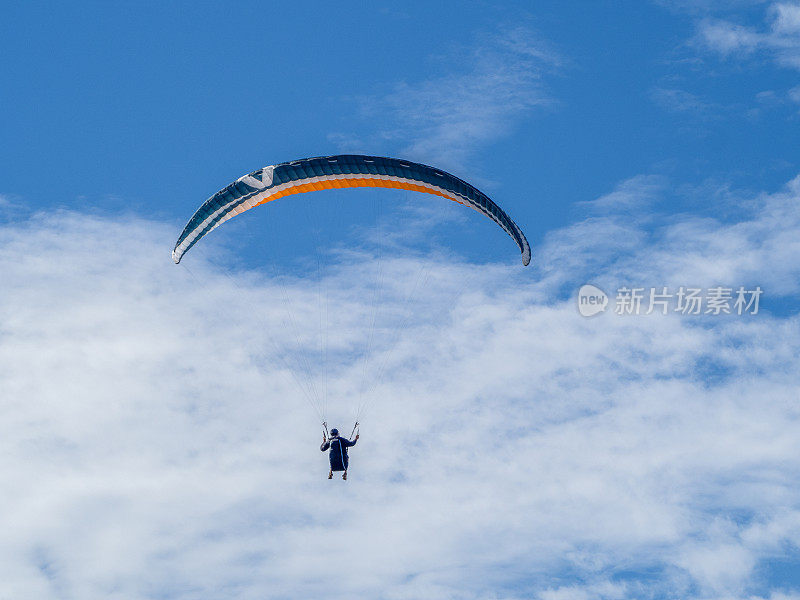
(341, 171)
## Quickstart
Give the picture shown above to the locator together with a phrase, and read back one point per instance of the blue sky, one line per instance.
(118, 103)
(155, 439)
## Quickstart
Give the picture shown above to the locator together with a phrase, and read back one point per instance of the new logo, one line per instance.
(591, 300)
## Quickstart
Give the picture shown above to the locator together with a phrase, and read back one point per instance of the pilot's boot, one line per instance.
(344, 475)
(330, 474)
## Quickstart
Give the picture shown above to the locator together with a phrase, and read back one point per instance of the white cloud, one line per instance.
(681, 101)
(154, 447)
(9, 204)
(635, 194)
(779, 39)
(484, 91)
(786, 18)
(728, 37)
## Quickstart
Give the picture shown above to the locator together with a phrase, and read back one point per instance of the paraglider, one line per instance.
(332, 172)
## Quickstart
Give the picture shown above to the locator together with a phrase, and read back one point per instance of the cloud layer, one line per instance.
(154, 443)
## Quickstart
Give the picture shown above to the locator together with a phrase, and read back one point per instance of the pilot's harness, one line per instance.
(341, 449)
